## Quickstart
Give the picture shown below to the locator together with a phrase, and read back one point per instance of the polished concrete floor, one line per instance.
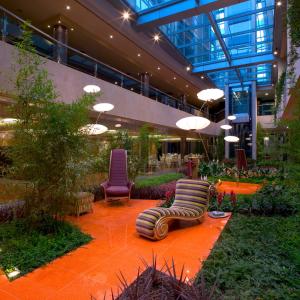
(92, 269)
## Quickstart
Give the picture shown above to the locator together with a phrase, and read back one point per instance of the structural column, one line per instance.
(145, 84)
(226, 115)
(182, 147)
(254, 119)
(60, 33)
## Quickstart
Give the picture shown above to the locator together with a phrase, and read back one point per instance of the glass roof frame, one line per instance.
(241, 30)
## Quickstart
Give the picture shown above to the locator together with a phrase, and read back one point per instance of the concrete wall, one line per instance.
(69, 84)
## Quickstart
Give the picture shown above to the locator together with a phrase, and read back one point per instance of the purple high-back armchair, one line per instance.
(117, 186)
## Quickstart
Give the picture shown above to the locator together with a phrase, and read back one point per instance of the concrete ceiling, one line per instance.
(94, 22)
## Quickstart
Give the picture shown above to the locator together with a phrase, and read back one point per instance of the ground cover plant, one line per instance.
(257, 257)
(26, 248)
(157, 180)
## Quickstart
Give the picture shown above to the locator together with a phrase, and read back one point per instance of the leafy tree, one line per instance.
(48, 149)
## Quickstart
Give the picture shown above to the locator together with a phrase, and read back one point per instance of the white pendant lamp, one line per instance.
(8, 121)
(231, 118)
(226, 127)
(231, 139)
(210, 94)
(94, 129)
(92, 89)
(192, 123)
(103, 107)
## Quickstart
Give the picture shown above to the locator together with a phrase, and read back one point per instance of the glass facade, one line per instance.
(240, 31)
(141, 5)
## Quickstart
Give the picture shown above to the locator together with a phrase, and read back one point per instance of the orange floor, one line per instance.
(91, 270)
(238, 187)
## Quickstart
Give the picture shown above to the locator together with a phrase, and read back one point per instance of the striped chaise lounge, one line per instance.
(191, 202)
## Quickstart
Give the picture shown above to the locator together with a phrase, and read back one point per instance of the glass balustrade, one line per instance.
(47, 46)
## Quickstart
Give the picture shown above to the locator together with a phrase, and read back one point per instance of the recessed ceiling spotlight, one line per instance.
(186, 85)
(158, 68)
(275, 52)
(156, 37)
(126, 15)
(68, 7)
(202, 77)
(131, 89)
(274, 66)
(279, 3)
(48, 26)
(139, 54)
(116, 82)
(188, 68)
(266, 94)
(59, 21)
(111, 36)
(174, 78)
(72, 29)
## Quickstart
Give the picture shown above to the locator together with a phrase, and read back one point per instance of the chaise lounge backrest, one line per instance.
(193, 194)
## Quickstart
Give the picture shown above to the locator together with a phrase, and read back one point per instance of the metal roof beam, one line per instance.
(235, 63)
(179, 10)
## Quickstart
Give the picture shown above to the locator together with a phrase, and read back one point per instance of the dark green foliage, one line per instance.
(157, 180)
(49, 148)
(166, 283)
(257, 258)
(27, 248)
(279, 88)
(272, 199)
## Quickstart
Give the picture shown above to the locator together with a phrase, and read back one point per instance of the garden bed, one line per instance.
(24, 249)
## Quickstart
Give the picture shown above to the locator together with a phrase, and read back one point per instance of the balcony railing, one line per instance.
(48, 47)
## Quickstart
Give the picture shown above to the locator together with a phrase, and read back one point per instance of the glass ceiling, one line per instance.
(243, 30)
(140, 5)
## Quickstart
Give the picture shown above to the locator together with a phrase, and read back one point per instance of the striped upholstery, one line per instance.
(191, 201)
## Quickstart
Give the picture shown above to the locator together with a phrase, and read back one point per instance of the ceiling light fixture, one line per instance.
(111, 36)
(186, 85)
(118, 125)
(139, 54)
(126, 15)
(275, 52)
(68, 7)
(188, 68)
(226, 127)
(72, 29)
(192, 123)
(231, 118)
(48, 26)
(231, 139)
(59, 21)
(210, 94)
(266, 94)
(274, 66)
(174, 78)
(92, 89)
(279, 3)
(158, 68)
(202, 77)
(103, 107)
(156, 37)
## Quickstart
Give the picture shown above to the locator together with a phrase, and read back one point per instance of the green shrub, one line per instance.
(27, 248)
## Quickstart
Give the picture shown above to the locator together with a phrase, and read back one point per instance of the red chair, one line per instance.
(117, 186)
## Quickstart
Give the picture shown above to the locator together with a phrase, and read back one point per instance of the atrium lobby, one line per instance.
(149, 149)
